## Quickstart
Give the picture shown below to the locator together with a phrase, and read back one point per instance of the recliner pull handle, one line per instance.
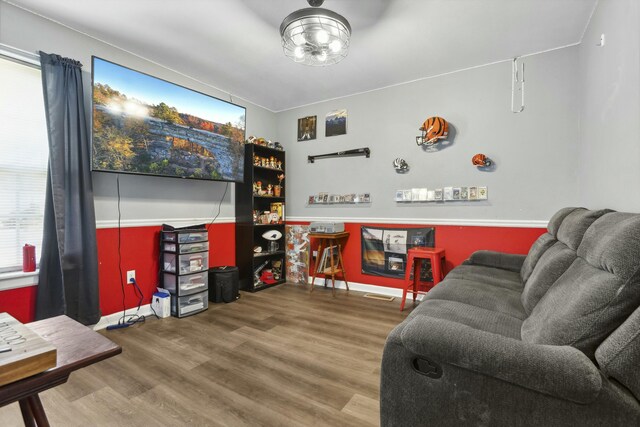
(427, 367)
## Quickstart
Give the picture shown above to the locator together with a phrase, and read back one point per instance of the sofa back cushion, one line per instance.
(559, 256)
(619, 355)
(596, 293)
(544, 242)
(552, 264)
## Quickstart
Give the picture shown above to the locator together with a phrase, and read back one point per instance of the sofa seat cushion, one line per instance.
(472, 316)
(494, 298)
(487, 275)
(597, 293)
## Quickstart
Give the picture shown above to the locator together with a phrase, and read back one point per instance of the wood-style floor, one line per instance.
(280, 357)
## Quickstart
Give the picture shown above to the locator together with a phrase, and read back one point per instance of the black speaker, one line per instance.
(223, 284)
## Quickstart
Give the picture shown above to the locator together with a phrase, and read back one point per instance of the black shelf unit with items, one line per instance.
(260, 209)
(184, 260)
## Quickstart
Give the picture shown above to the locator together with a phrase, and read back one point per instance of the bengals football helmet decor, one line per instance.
(481, 160)
(433, 129)
(400, 165)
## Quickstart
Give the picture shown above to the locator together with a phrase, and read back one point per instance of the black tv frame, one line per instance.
(244, 135)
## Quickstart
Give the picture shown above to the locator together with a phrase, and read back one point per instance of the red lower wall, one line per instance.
(20, 303)
(140, 247)
(458, 241)
(139, 250)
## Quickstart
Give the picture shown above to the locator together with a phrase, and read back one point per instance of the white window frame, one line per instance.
(18, 279)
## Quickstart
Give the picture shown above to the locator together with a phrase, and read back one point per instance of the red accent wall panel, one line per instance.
(20, 303)
(458, 241)
(139, 249)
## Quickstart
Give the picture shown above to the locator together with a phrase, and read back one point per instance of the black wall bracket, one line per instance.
(349, 153)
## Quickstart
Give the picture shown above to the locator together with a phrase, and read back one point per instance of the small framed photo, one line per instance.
(483, 193)
(438, 194)
(366, 198)
(336, 123)
(325, 197)
(406, 195)
(473, 193)
(464, 193)
(399, 195)
(456, 193)
(447, 193)
(431, 195)
(312, 200)
(307, 128)
(349, 198)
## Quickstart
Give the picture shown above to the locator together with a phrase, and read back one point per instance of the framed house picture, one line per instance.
(307, 128)
(336, 123)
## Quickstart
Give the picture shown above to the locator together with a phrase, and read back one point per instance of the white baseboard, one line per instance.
(364, 287)
(112, 319)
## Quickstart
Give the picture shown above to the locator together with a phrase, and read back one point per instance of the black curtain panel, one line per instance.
(68, 280)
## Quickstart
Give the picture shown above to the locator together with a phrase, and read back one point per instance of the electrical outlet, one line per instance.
(131, 274)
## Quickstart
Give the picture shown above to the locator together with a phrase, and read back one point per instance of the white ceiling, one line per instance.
(235, 44)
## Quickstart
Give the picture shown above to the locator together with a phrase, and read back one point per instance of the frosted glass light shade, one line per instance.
(315, 36)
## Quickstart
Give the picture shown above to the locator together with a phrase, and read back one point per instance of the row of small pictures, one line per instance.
(442, 194)
(332, 199)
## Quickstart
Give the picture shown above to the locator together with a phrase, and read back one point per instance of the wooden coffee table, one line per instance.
(78, 346)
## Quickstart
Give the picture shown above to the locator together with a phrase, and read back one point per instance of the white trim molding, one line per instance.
(150, 222)
(18, 279)
(515, 223)
(363, 287)
(113, 318)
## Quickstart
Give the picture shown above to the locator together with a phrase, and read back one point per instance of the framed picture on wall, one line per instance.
(307, 128)
(336, 123)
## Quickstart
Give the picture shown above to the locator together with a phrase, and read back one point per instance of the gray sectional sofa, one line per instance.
(547, 339)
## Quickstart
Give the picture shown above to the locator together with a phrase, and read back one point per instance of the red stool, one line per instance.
(415, 256)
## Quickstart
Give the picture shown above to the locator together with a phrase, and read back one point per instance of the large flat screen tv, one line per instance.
(145, 125)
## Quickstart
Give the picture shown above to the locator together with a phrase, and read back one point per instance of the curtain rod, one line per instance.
(19, 55)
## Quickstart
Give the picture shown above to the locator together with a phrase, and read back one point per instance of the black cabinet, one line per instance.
(260, 209)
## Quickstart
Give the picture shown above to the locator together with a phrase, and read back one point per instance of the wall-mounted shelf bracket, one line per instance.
(348, 153)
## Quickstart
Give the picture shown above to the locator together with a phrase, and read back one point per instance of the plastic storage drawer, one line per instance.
(190, 304)
(185, 285)
(185, 248)
(185, 263)
(185, 237)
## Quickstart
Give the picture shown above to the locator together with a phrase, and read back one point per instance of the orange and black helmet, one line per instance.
(433, 129)
(480, 160)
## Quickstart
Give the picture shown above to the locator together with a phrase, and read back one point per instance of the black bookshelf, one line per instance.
(249, 232)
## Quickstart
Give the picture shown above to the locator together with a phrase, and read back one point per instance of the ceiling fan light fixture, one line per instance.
(315, 36)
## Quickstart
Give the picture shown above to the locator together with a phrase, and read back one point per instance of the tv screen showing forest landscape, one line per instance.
(146, 125)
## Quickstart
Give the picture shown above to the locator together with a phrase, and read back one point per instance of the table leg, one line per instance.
(315, 267)
(333, 271)
(436, 269)
(344, 272)
(27, 415)
(38, 410)
(417, 269)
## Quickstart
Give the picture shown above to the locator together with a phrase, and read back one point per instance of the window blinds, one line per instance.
(24, 154)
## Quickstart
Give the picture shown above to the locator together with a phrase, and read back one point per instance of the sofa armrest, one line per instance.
(511, 262)
(559, 371)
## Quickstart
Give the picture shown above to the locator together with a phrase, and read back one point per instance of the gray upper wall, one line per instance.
(144, 199)
(535, 152)
(610, 114)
